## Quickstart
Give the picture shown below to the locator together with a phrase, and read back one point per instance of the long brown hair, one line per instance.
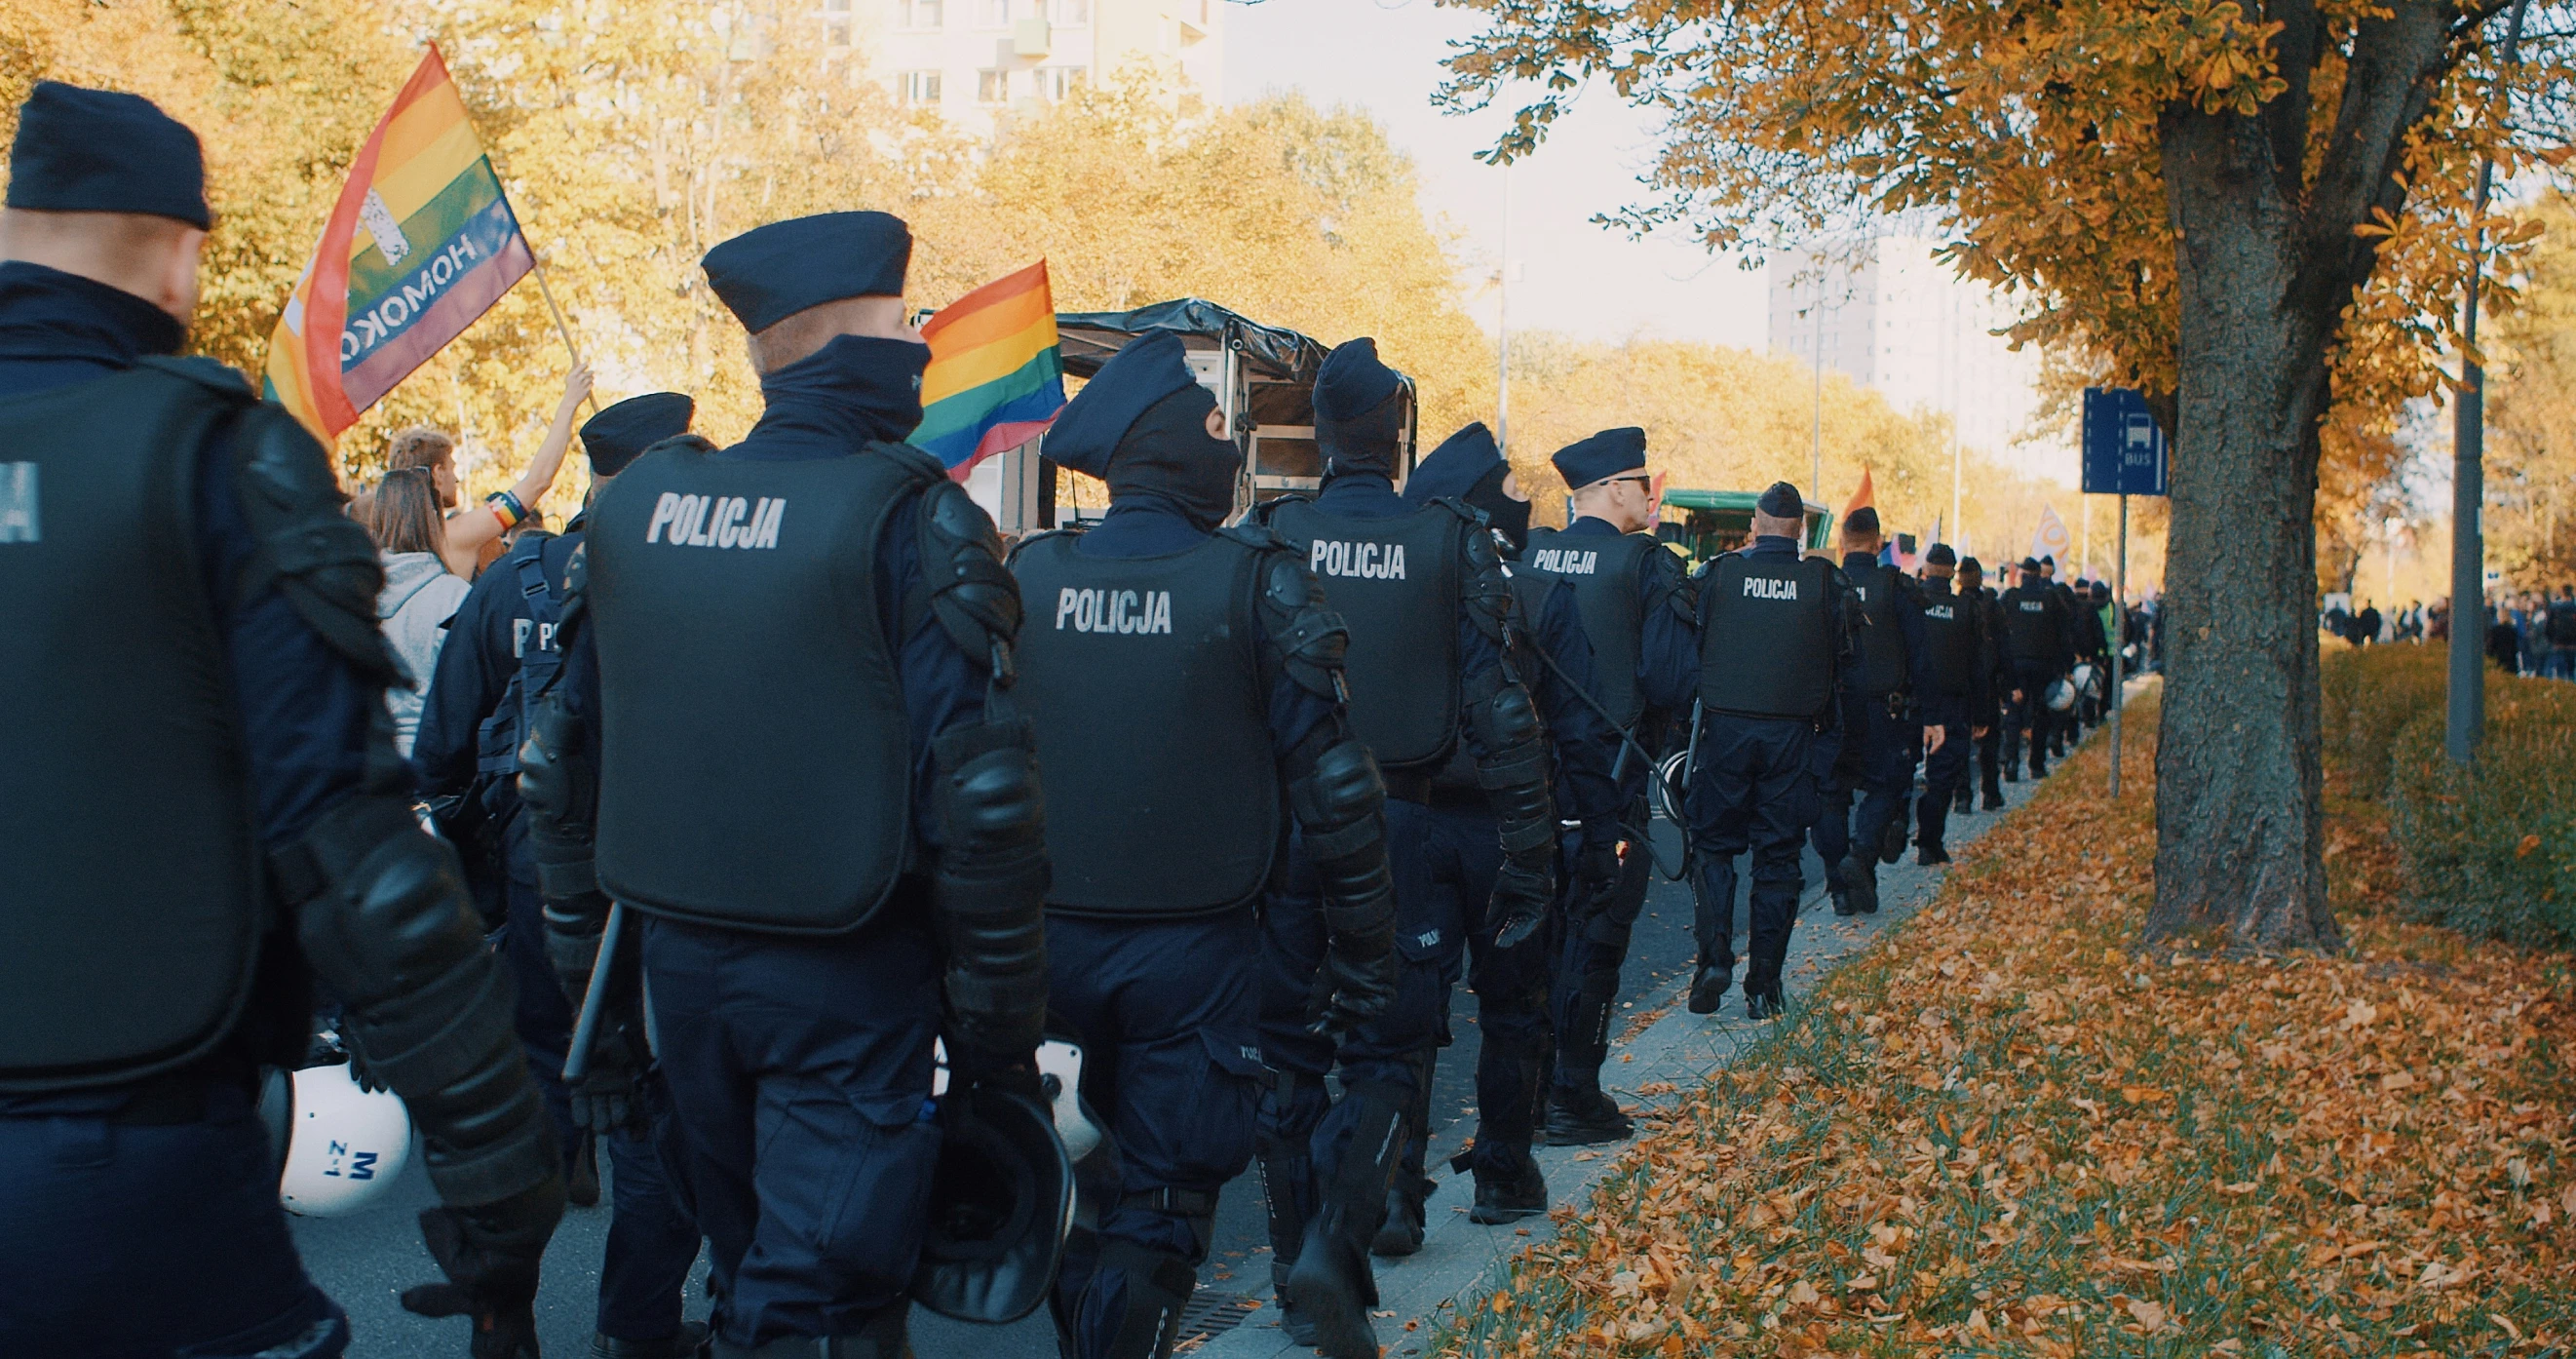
(402, 516)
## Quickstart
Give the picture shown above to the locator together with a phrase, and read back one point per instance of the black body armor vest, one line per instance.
(1143, 678)
(135, 901)
(2030, 627)
(1396, 583)
(1950, 641)
(1603, 572)
(1884, 666)
(1768, 647)
(754, 752)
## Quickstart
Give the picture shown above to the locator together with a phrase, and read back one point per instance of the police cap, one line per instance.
(1603, 455)
(2030, 564)
(1939, 554)
(81, 150)
(1862, 520)
(1782, 501)
(770, 273)
(1453, 469)
(1136, 378)
(1971, 564)
(613, 437)
(2048, 561)
(1353, 381)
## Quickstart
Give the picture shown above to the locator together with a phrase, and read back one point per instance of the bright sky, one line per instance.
(1574, 277)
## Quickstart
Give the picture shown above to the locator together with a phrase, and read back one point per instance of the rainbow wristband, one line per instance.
(507, 507)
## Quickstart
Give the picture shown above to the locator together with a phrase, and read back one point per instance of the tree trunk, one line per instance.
(2239, 785)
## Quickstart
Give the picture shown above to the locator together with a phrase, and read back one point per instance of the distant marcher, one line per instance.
(2504, 642)
(473, 537)
(2365, 626)
(2530, 636)
(420, 593)
(2561, 629)
(2437, 621)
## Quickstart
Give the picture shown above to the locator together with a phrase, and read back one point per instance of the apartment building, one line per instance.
(973, 60)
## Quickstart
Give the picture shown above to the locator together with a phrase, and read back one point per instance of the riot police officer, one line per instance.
(1636, 611)
(1428, 608)
(2038, 645)
(1979, 598)
(1879, 726)
(1462, 853)
(2063, 728)
(1185, 686)
(1957, 690)
(500, 652)
(783, 718)
(204, 814)
(1775, 646)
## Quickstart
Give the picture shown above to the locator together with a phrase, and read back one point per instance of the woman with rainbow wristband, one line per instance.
(474, 536)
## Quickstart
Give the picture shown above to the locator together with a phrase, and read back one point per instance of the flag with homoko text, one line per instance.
(421, 242)
(996, 374)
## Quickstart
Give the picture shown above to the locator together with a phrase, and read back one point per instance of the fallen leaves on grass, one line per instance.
(2004, 1130)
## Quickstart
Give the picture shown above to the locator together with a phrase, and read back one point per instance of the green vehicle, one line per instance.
(1702, 524)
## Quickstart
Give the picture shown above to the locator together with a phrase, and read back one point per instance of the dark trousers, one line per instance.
(1989, 756)
(1945, 772)
(1453, 872)
(2029, 715)
(1166, 1014)
(1874, 778)
(1754, 788)
(651, 1243)
(1596, 939)
(802, 1133)
(162, 1240)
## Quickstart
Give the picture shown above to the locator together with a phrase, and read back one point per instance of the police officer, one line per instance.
(1428, 608)
(784, 716)
(1879, 726)
(1185, 684)
(204, 815)
(500, 652)
(1637, 613)
(1956, 691)
(1461, 855)
(2062, 728)
(2038, 645)
(1775, 645)
(1987, 716)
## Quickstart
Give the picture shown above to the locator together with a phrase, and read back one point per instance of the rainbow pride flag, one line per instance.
(420, 244)
(996, 375)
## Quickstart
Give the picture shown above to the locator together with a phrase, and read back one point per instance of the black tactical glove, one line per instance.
(1522, 895)
(1357, 981)
(490, 1255)
(605, 1098)
(1596, 872)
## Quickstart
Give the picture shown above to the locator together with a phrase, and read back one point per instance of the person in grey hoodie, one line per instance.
(420, 593)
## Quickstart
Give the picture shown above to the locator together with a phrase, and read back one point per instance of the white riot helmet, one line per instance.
(343, 1146)
(2088, 681)
(2061, 696)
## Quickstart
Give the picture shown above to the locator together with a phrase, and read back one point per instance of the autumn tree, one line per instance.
(2260, 212)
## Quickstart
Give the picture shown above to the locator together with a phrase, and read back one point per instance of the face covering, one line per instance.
(1366, 443)
(1509, 516)
(1168, 457)
(868, 380)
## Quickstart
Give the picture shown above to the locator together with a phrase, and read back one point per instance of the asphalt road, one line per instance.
(366, 1260)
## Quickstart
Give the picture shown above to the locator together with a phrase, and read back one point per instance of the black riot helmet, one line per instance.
(1001, 1206)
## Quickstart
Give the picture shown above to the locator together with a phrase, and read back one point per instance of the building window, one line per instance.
(1069, 13)
(992, 87)
(918, 87)
(993, 13)
(923, 13)
(1057, 83)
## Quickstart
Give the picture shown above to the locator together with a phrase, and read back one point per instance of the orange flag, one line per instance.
(1861, 497)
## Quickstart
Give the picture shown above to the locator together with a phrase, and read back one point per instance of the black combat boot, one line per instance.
(1509, 1196)
(1765, 1004)
(1401, 1234)
(685, 1343)
(1965, 802)
(1860, 878)
(1891, 837)
(1930, 854)
(1578, 1117)
(1708, 987)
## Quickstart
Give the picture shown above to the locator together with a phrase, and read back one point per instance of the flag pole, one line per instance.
(537, 266)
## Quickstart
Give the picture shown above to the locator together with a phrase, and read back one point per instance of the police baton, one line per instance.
(594, 998)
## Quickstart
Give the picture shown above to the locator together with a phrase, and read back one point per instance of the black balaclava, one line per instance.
(1167, 457)
(1510, 517)
(862, 384)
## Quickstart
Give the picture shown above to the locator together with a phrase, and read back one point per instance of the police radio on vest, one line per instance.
(1564, 561)
(1771, 587)
(715, 521)
(1364, 560)
(1121, 611)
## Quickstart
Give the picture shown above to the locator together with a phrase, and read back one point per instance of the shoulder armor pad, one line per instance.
(1312, 639)
(1488, 593)
(1261, 513)
(912, 460)
(1257, 534)
(308, 548)
(211, 373)
(973, 595)
(1013, 557)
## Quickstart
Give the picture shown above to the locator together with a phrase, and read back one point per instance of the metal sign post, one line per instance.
(2124, 455)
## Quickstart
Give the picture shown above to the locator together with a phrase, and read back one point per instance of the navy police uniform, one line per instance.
(2038, 647)
(1775, 645)
(1875, 767)
(1637, 614)
(1455, 870)
(1990, 763)
(1184, 686)
(781, 736)
(188, 646)
(1954, 693)
(500, 652)
(1423, 594)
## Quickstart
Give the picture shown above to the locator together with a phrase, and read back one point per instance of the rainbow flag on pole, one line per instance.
(996, 375)
(420, 244)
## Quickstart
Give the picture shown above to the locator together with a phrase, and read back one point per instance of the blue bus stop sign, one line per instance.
(2124, 447)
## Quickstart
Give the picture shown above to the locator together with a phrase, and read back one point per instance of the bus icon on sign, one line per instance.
(2139, 440)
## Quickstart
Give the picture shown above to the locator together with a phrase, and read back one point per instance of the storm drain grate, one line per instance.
(1211, 1314)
